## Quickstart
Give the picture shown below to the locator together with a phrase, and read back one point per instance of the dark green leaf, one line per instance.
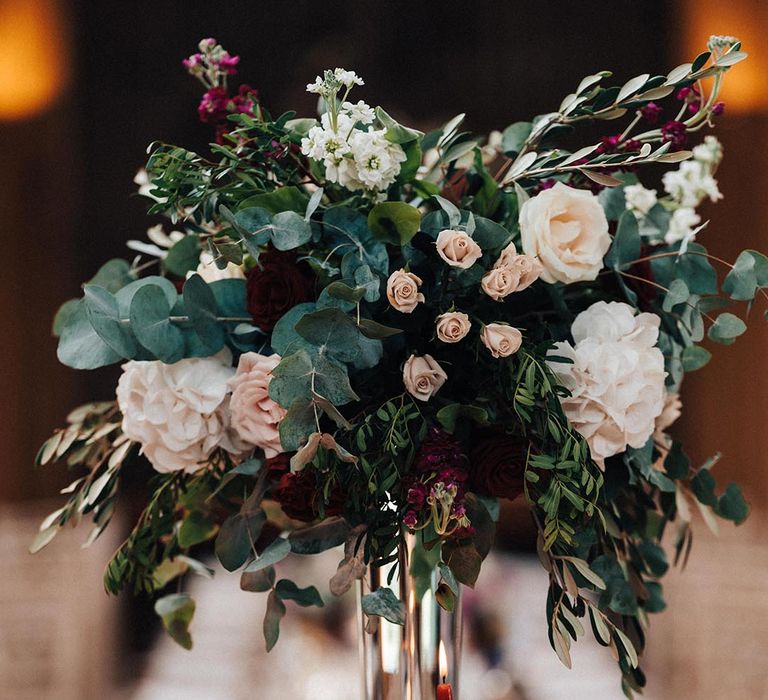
(200, 305)
(275, 612)
(257, 581)
(183, 256)
(318, 538)
(732, 506)
(234, 542)
(626, 243)
(197, 527)
(394, 222)
(306, 597)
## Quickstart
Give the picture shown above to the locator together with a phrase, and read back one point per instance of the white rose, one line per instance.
(566, 229)
(458, 249)
(255, 416)
(423, 377)
(501, 340)
(179, 412)
(616, 379)
(452, 326)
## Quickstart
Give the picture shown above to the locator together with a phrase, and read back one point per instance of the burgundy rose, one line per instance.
(498, 465)
(300, 497)
(295, 492)
(278, 465)
(276, 285)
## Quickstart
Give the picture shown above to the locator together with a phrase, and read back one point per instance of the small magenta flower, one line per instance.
(651, 112)
(675, 133)
(410, 519)
(718, 108)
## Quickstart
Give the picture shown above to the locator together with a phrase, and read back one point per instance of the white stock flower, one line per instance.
(358, 159)
(616, 379)
(179, 413)
(377, 160)
(691, 184)
(709, 152)
(360, 112)
(347, 78)
(639, 200)
(566, 229)
(682, 225)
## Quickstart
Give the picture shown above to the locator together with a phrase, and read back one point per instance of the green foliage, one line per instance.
(183, 256)
(176, 612)
(394, 222)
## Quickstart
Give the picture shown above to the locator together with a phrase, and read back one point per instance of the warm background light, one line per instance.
(745, 89)
(33, 68)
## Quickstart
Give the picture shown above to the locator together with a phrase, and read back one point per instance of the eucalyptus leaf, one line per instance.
(150, 322)
(384, 603)
(200, 305)
(104, 315)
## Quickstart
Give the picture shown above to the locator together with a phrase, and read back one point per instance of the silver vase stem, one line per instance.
(401, 662)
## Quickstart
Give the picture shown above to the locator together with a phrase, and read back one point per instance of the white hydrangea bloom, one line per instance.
(616, 379)
(178, 413)
(682, 225)
(639, 200)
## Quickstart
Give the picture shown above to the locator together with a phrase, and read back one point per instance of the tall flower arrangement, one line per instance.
(356, 329)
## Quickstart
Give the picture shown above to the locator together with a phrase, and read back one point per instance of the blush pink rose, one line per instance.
(458, 249)
(423, 376)
(255, 416)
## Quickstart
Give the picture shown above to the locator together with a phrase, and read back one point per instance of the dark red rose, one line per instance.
(439, 450)
(295, 492)
(278, 465)
(300, 497)
(276, 285)
(498, 465)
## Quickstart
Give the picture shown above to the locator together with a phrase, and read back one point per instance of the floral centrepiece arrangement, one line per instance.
(357, 330)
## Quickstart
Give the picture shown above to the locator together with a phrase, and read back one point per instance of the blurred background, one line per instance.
(86, 85)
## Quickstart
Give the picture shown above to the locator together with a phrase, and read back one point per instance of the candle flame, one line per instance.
(443, 661)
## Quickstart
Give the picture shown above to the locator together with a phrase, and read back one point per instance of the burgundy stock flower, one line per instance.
(651, 112)
(213, 105)
(674, 132)
(276, 285)
(498, 465)
(439, 450)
